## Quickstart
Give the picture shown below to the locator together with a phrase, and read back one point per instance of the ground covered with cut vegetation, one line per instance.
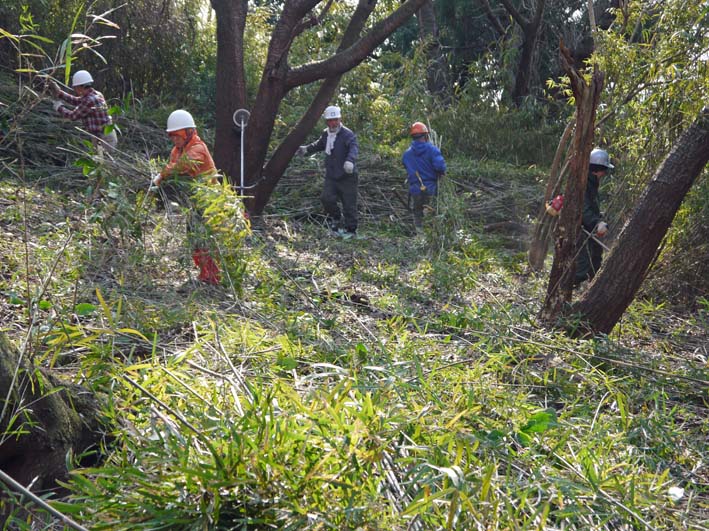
(388, 382)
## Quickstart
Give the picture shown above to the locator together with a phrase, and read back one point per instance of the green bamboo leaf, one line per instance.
(7, 35)
(134, 332)
(541, 422)
(106, 309)
(84, 308)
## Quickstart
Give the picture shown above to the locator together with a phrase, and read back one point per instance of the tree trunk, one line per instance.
(563, 268)
(530, 33)
(622, 273)
(231, 82)
(428, 33)
(56, 417)
(539, 245)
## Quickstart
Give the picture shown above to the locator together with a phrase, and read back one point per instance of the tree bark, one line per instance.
(231, 81)
(530, 33)
(436, 75)
(622, 273)
(563, 268)
(56, 417)
(539, 245)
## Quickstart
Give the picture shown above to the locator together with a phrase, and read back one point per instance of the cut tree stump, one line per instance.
(44, 419)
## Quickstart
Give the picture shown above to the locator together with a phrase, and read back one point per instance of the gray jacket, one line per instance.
(345, 148)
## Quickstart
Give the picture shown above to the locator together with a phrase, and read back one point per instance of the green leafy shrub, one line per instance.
(224, 215)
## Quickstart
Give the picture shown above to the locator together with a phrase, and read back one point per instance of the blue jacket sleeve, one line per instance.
(439, 163)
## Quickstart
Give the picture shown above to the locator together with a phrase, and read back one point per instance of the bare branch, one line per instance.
(516, 15)
(492, 18)
(355, 54)
(311, 20)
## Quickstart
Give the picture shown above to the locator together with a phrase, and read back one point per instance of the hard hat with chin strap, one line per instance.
(179, 119)
(600, 157)
(332, 112)
(81, 77)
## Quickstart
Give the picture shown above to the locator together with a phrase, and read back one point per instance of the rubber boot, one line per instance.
(197, 257)
(208, 268)
(212, 274)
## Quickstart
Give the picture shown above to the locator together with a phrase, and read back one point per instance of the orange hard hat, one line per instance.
(418, 128)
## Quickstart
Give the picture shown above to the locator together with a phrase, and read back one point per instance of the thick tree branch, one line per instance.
(516, 15)
(284, 152)
(347, 59)
(310, 21)
(282, 36)
(492, 18)
(538, 13)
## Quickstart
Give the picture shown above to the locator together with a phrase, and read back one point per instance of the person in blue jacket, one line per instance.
(424, 165)
(340, 146)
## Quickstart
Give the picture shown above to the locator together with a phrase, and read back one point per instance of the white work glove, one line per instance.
(348, 166)
(56, 104)
(601, 229)
(302, 151)
(155, 182)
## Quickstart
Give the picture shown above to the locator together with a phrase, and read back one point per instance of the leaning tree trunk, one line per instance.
(56, 418)
(563, 268)
(545, 223)
(279, 78)
(619, 279)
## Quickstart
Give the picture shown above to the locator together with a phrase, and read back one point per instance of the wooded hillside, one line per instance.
(396, 379)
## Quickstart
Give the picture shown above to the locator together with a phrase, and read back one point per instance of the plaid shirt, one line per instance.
(91, 109)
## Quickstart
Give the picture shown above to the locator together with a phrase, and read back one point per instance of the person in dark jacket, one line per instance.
(590, 251)
(424, 165)
(340, 146)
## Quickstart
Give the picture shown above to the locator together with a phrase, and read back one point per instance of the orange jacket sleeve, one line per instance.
(193, 161)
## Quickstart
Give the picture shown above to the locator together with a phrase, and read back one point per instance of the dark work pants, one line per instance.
(419, 201)
(588, 261)
(343, 190)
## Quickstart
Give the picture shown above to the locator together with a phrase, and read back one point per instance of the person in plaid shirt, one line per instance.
(89, 107)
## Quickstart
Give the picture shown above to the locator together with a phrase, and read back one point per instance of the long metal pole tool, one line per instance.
(599, 242)
(241, 119)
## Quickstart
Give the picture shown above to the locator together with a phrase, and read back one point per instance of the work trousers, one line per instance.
(419, 202)
(343, 190)
(588, 260)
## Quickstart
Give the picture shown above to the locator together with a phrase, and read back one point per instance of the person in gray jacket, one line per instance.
(340, 146)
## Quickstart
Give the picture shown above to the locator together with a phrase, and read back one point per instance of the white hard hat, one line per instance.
(81, 77)
(332, 112)
(179, 119)
(601, 158)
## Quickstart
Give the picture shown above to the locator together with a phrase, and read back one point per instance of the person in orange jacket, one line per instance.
(190, 157)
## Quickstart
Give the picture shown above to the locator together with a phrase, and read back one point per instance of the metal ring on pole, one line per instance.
(241, 117)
